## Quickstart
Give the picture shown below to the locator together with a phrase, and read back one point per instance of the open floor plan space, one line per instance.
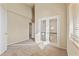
(39, 29)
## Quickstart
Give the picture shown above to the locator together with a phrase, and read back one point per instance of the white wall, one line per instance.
(49, 10)
(3, 30)
(19, 16)
(19, 8)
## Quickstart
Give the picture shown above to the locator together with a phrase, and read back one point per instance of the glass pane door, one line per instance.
(43, 30)
(53, 31)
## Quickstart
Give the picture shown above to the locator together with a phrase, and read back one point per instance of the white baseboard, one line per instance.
(16, 42)
(59, 47)
(62, 48)
(1, 52)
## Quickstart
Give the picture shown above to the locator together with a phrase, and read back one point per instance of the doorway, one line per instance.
(48, 31)
(53, 31)
(30, 30)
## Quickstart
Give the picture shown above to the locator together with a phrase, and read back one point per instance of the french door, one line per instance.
(44, 30)
(48, 30)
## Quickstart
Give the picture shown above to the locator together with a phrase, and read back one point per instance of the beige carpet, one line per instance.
(29, 48)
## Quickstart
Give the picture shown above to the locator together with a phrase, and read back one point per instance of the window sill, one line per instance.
(75, 42)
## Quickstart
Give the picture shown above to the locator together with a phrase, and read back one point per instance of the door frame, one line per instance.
(58, 28)
(30, 30)
(37, 37)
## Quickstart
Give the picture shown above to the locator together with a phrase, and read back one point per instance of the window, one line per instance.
(76, 29)
(75, 23)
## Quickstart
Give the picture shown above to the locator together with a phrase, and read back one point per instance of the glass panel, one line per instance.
(53, 30)
(43, 30)
(75, 27)
(53, 26)
(43, 26)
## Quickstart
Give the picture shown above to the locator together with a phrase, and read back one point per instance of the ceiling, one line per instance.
(30, 4)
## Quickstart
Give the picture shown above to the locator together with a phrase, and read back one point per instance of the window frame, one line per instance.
(72, 36)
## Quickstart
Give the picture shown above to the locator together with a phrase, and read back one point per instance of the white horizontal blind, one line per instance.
(76, 26)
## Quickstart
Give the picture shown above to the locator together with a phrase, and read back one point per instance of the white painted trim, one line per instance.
(19, 14)
(61, 48)
(58, 31)
(1, 52)
(58, 46)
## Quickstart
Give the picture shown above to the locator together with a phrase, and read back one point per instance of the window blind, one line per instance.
(76, 27)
